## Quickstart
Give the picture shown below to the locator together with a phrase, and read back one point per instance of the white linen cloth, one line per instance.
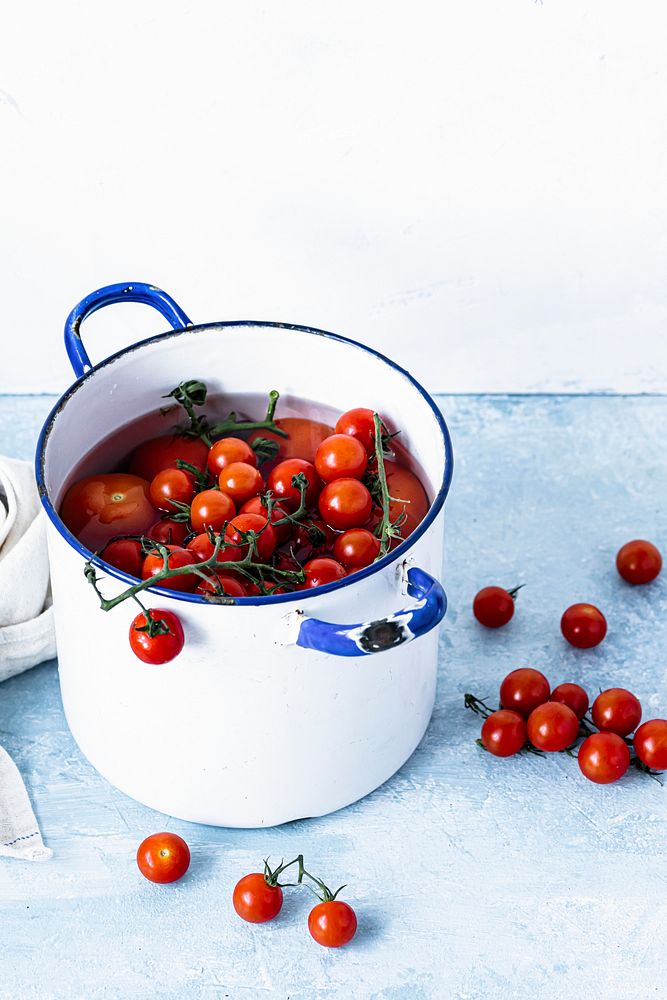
(27, 634)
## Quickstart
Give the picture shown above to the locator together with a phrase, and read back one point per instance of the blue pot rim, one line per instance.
(398, 553)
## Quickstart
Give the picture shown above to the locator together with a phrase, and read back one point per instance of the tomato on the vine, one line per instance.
(345, 503)
(356, 548)
(228, 450)
(168, 531)
(256, 900)
(171, 487)
(320, 571)
(163, 857)
(552, 727)
(603, 758)
(639, 561)
(340, 457)
(583, 625)
(573, 696)
(304, 436)
(616, 711)
(222, 582)
(650, 743)
(265, 540)
(125, 554)
(493, 606)
(240, 481)
(210, 509)
(332, 923)
(504, 733)
(178, 557)
(256, 506)
(280, 482)
(97, 508)
(359, 424)
(163, 452)
(202, 549)
(157, 638)
(523, 690)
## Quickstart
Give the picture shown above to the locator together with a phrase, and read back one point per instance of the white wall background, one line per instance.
(477, 188)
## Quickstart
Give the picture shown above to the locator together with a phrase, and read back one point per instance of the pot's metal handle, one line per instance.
(123, 292)
(375, 637)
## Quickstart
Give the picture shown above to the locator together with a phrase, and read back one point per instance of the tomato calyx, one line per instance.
(200, 478)
(265, 449)
(154, 626)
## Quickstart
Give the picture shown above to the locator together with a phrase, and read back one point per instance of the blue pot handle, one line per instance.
(375, 637)
(122, 292)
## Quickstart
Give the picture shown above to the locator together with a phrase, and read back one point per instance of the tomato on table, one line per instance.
(163, 857)
(332, 923)
(617, 711)
(650, 743)
(126, 555)
(552, 727)
(304, 436)
(177, 558)
(573, 696)
(603, 758)
(345, 503)
(211, 509)
(504, 733)
(583, 625)
(523, 690)
(156, 638)
(97, 508)
(493, 607)
(639, 561)
(163, 452)
(257, 900)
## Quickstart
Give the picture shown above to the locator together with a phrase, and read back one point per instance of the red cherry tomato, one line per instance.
(161, 453)
(97, 508)
(228, 450)
(172, 485)
(202, 549)
(638, 561)
(409, 497)
(255, 900)
(583, 625)
(163, 857)
(616, 711)
(340, 457)
(210, 509)
(359, 424)
(493, 607)
(523, 690)
(125, 554)
(280, 482)
(504, 733)
(321, 571)
(552, 727)
(345, 503)
(240, 481)
(154, 563)
(332, 924)
(166, 642)
(303, 440)
(220, 582)
(168, 531)
(313, 537)
(573, 696)
(603, 758)
(650, 743)
(256, 506)
(356, 547)
(266, 536)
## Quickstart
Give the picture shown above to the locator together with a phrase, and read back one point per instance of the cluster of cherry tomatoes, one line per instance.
(533, 717)
(257, 897)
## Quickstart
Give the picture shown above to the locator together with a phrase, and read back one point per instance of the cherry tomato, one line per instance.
(345, 503)
(340, 457)
(211, 508)
(202, 549)
(266, 536)
(240, 481)
(583, 625)
(303, 440)
(97, 508)
(168, 531)
(523, 690)
(650, 742)
(217, 582)
(161, 453)
(154, 563)
(409, 497)
(161, 647)
(125, 554)
(313, 537)
(256, 506)
(255, 900)
(359, 424)
(356, 547)
(321, 571)
(504, 733)
(603, 758)
(493, 607)
(163, 857)
(616, 711)
(280, 482)
(638, 561)
(228, 450)
(573, 696)
(552, 727)
(172, 484)
(332, 924)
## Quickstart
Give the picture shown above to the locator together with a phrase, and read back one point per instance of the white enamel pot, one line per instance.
(278, 707)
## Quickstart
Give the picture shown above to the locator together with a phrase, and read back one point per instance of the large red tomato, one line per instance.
(161, 453)
(98, 508)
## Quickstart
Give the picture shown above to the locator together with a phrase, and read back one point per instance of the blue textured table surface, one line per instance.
(472, 877)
